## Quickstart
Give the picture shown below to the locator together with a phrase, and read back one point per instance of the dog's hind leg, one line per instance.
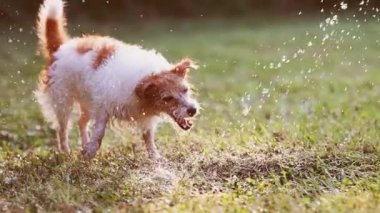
(56, 107)
(63, 112)
(83, 123)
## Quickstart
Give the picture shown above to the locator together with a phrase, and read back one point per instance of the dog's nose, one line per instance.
(191, 111)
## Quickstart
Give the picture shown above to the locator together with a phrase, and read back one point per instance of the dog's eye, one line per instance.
(185, 90)
(167, 98)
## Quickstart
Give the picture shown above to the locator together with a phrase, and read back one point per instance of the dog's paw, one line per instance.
(89, 150)
(162, 161)
(157, 158)
(66, 150)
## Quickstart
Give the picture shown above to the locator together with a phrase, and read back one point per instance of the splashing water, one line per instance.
(343, 6)
(321, 47)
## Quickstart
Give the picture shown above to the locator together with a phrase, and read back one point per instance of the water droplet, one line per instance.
(343, 6)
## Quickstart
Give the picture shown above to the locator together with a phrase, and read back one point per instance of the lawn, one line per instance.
(290, 123)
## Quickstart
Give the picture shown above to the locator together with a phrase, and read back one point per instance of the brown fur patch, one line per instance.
(152, 88)
(83, 48)
(104, 47)
(168, 93)
(103, 54)
(55, 35)
(87, 44)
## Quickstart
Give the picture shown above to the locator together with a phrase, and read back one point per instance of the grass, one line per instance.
(290, 124)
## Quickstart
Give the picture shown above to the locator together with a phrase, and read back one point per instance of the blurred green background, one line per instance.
(22, 10)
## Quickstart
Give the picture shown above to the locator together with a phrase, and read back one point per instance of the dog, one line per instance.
(109, 80)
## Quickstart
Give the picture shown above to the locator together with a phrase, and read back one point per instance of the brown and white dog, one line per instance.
(109, 80)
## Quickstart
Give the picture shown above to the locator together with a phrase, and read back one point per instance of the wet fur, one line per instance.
(110, 80)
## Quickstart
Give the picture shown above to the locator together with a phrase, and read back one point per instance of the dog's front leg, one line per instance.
(148, 136)
(90, 149)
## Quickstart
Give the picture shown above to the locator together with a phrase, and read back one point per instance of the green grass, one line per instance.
(302, 136)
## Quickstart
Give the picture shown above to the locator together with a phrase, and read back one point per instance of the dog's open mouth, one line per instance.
(184, 123)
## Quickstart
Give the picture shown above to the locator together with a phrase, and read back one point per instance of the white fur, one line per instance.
(103, 92)
(52, 9)
(109, 87)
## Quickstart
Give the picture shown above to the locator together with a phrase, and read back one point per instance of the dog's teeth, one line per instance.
(184, 123)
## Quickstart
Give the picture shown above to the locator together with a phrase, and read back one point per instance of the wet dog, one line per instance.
(109, 80)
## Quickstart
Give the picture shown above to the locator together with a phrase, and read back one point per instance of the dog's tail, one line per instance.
(51, 27)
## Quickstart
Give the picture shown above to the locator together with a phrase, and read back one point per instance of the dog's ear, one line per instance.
(147, 90)
(183, 67)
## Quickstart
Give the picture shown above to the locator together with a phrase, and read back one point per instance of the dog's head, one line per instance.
(169, 92)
